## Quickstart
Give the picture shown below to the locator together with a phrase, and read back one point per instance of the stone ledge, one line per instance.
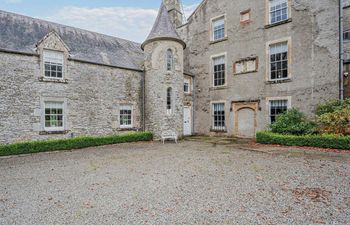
(217, 41)
(61, 81)
(218, 131)
(278, 81)
(54, 132)
(253, 71)
(279, 23)
(128, 129)
(218, 88)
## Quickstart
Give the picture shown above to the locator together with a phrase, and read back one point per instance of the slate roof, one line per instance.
(21, 33)
(163, 28)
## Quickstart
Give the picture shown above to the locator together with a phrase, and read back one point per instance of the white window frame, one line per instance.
(213, 127)
(55, 58)
(274, 3)
(213, 72)
(44, 102)
(288, 40)
(270, 99)
(126, 107)
(212, 28)
(188, 81)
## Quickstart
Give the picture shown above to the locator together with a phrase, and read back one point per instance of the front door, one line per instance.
(187, 121)
(246, 123)
(347, 80)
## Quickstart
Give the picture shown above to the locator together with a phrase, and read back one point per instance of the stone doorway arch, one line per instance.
(245, 121)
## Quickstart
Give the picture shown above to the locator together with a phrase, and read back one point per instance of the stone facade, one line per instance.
(102, 74)
(92, 93)
(157, 81)
(312, 33)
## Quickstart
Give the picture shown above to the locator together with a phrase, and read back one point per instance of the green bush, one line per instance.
(293, 122)
(332, 106)
(334, 117)
(73, 143)
(321, 141)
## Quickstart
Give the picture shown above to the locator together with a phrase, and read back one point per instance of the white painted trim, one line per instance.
(65, 113)
(268, 99)
(211, 27)
(268, 65)
(212, 69)
(132, 115)
(212, 113)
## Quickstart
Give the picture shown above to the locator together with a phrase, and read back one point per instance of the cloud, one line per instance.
(189, 9)
(129, 23)
(124, 22)
(13, 1)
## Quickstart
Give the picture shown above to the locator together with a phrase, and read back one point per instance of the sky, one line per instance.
(129, 19)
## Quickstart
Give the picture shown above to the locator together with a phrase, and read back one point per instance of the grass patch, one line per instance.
(320, 141)
(73, 143)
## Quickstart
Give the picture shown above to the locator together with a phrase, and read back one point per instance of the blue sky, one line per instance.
(130, 19)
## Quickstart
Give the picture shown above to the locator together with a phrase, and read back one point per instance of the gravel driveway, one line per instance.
(188, 183)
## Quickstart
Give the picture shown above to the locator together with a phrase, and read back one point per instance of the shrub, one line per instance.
(293, 122)
(321, 141)
(336, 122)
(332, 106)
(73, 143)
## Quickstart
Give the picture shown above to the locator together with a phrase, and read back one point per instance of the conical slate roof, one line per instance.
(163, 29)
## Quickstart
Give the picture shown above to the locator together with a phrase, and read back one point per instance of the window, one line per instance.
(169, 101)
(246, 66)
(347, 35)
(218, 116)
(169, 60)
(218, 29)
(277, 107)
(54, 116)
(245, 16)
(126, 116)
(278, 10)
(53, 64)
(219, 71)
(187, 86)
(279, 61)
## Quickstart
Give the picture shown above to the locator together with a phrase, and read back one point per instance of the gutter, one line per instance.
(341, 50)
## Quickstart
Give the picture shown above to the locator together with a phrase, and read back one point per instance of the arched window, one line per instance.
(169, 100)
(169, 60)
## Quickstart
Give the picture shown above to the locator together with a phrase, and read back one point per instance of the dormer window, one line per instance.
(169, 60)
(53, 64)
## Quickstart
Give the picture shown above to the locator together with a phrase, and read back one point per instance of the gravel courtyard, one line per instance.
(194, 182)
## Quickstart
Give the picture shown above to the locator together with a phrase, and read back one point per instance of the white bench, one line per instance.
(169, 135)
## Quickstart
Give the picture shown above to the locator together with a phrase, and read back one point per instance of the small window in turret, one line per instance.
(169, 60)
(169, 101)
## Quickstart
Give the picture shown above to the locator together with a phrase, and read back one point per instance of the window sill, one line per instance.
(278, 81)
(253, 71)
(218, 130)
(188, 94)
(218, 88)
(128, 129)
(278, 23)
(217, 41)
(45, 79)
(54, 132)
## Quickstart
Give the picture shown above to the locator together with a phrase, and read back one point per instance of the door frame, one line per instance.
(191, 120)
(237, 106)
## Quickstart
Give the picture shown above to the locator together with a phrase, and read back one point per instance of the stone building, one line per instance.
(230, 69)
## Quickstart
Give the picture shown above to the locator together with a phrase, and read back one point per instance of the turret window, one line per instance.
(169, 60)
(169, 101)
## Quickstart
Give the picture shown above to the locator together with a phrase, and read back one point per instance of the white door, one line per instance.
(187, 121)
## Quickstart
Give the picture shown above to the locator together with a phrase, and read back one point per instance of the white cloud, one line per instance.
(13, 1)
(189, 9)
(129, 23)
(124, 22)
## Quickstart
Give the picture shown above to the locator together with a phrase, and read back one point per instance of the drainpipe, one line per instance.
(341, 50)
(143, 101)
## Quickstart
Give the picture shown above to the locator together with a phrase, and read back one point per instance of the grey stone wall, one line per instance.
(158, 79)
(314, 57)
(93, 94)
